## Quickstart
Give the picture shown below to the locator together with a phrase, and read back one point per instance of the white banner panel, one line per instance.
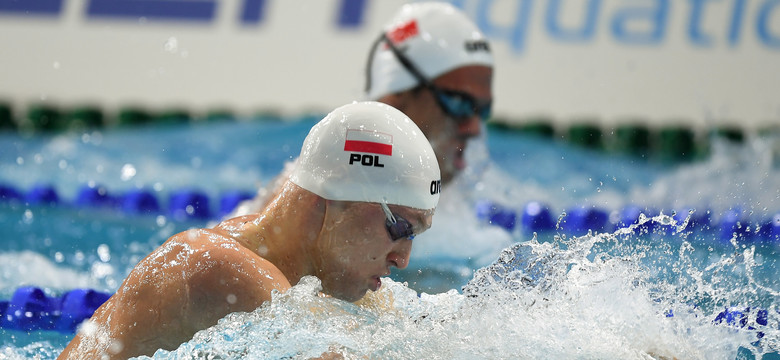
(705, 62)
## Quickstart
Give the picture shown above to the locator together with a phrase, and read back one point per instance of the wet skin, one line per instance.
(199, 276)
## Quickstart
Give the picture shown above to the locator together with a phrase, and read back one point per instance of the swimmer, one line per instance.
(431, 62)
(363, 188)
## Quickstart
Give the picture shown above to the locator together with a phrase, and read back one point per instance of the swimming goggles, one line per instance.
(397, 226)
(459, 105)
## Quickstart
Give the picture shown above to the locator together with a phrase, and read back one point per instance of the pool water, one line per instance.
(654, 287)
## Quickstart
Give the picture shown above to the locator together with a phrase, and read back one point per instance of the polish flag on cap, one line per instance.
(403, 32)
(373, 142)
(436, 37)
(408, 175)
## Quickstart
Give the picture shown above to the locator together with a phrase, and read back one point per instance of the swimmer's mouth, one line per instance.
(376, 284)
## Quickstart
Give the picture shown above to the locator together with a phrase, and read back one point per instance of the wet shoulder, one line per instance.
(237, 225)
(226, 243)
(226, 233)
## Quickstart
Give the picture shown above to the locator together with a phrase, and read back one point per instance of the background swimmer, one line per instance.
(434, 64)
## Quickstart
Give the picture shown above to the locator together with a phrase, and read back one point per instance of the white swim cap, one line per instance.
(435, 37)
(370, 152)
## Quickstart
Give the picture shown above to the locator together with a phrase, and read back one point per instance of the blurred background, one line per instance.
(654, 63)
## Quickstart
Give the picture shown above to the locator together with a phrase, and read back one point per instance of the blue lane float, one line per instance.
(739, 317)
(42, 194)
(770, 230)
(496, 214)
(630, 216)
(579, 220)
(231, 199)
(93, 196)
(78, 305)
(30, 309)
(537, 217)
(139, 201)
(9, 193)
(189, 204)
(735, 224)
(696, 218)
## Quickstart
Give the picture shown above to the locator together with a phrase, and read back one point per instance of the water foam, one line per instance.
(600, 296)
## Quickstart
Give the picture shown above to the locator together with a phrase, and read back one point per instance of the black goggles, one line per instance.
(397, 226)
(458, 105)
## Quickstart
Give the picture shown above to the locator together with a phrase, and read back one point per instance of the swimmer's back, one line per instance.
(187, 284)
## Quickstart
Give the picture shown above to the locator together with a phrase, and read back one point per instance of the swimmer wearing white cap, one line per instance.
(432, 63)
(438, 70)
(366, 184)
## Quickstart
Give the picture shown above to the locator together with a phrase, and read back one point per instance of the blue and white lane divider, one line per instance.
(194, 204)
(578, 220)
(182, 204)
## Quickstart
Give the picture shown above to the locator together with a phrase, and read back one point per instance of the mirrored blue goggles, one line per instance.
(397, 226)
(459, 105)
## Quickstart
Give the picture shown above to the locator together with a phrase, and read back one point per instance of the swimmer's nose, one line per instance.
(470, 127)
(399, 256)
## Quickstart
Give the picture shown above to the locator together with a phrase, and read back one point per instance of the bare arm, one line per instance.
(230, 279)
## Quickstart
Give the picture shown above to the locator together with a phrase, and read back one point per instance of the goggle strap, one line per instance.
(386, 209)
(412, 69)
(407, 64)
(370, 61)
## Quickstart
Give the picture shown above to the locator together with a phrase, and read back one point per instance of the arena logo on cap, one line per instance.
(477, 45)
(370, 142)
(435, 187)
